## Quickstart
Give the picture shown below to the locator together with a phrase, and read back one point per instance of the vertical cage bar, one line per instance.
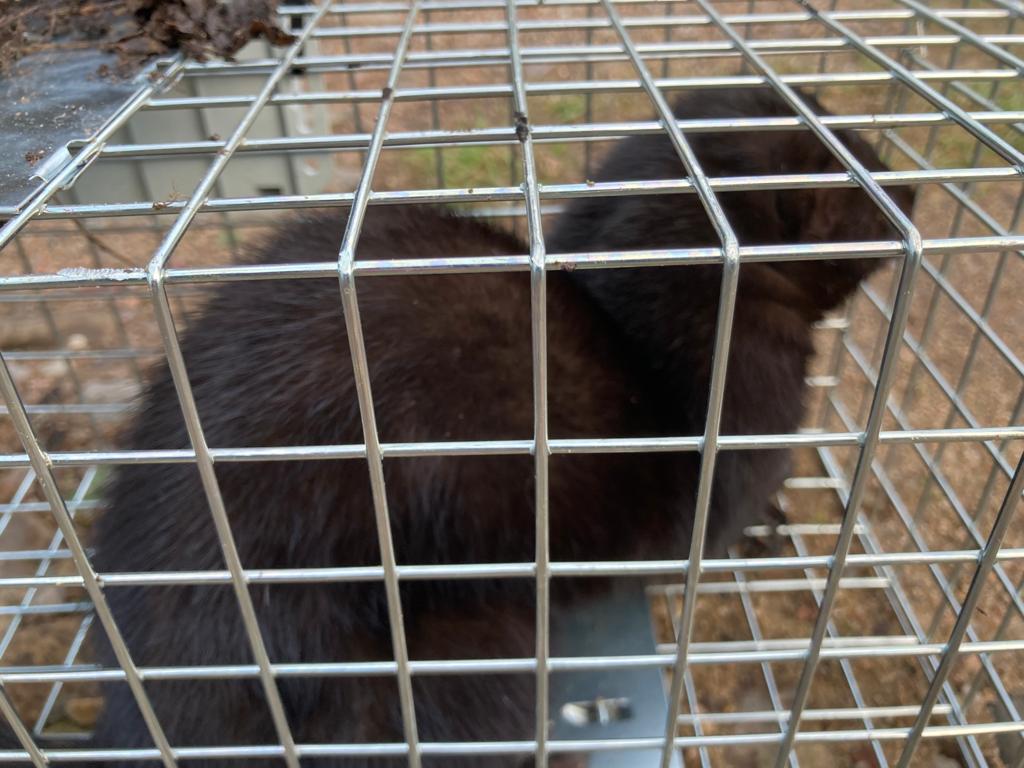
(698, 726)
(754, 626)
(899, 601)
(435, 112)
(20, 731)
(156, 278)
(928, 665)
(857, 487)
(913, 249)
(800, 547)
(966, 204)
(539, 331)
(716, 388)
(41, 570)
(58, 507)
(361, 375)
(963, 621)
(69, 659)
(689, 687)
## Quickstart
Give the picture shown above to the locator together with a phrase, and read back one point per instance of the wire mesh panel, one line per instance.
(875, 617)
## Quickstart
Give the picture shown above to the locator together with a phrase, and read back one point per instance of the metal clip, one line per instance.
(52, 165)
(601, 711)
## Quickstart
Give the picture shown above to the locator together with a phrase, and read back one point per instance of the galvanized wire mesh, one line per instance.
(883, 626)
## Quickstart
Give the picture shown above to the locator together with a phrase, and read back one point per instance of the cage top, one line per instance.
(49, 100)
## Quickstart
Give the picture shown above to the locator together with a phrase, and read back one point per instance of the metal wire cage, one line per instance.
(886, 627)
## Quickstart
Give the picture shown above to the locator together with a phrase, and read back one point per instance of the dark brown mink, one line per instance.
(669, 314)
(450, 359)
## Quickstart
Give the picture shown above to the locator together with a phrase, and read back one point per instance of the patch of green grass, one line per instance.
(954, 148)
(569, 109)
(462, 166)
(558, 151)
(419, 164)
(97, 486)
(475, 166)
(1011, 98)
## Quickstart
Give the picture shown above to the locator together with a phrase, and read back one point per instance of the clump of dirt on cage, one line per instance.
(136, 30)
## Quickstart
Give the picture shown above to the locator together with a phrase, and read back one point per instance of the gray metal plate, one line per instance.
(48, 100)
(615, 624)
